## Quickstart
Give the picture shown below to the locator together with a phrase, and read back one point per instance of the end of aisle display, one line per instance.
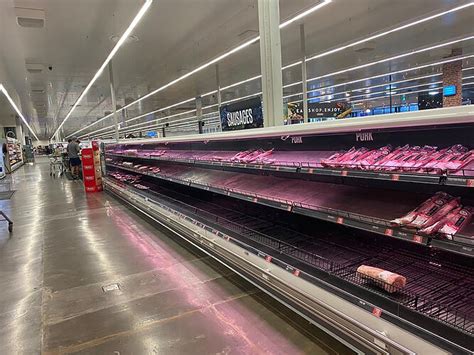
(91, 170)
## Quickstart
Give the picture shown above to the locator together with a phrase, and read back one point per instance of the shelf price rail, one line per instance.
(462, 178)
(231, 231)
(353, 220)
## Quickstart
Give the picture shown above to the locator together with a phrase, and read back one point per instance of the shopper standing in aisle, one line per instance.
(73, 151)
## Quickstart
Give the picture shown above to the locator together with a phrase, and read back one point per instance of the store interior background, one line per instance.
(47, 63)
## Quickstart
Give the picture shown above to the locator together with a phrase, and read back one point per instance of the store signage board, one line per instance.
(449, 90)
(242, 115)
(316, 110)
(152, 134)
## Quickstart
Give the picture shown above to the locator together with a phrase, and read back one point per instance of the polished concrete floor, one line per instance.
(66, 248)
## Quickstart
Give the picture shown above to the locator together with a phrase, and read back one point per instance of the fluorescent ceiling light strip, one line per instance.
(221, 57)
(373, 77)
(370, 38)
(241, 82)
(391, 58)
(15, 107)
(388, 96)
(158, 119)
(397, 90)
(362, 88)
(453, 59)
(161, 109)
(354, 102)
(136, 117)
(393, 30)
(241, 98)
(304, 13)
(117, 46)
(363, 79)
(154, 122)
(405, 93)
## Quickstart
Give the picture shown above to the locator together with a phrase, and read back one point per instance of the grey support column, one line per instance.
(114, 102)
(303, 73)
(199, 113)
(270, 61)
(218, 84)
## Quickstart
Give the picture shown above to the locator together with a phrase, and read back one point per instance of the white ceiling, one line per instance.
(176, 36)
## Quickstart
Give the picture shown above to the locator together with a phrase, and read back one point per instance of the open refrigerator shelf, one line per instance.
(355, 207)
(309, 163)
(437, 287)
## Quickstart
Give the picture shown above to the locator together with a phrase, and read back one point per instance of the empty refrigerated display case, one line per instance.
(269, 206)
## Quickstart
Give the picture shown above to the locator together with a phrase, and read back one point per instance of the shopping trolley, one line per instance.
(55, 167)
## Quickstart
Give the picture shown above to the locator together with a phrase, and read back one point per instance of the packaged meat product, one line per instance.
(435, 227)
(327, 161)
(376, 155)
(157, 153)
(240, 155)
(397, 162)
(131, 152)
(439, 209)
(460, 162)
(409, 163)
(353, 161)
(127, 164)
(332, 161)
(438, 165)
(396, 155)
(456, 221)
(425, 206)
(263, 155)
(251, 156)
(390, 281)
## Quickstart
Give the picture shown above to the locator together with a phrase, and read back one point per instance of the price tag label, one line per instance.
(389, 232)
(417, 239)
(344, 173)
(377, 312)
(268, 258)
(395, 177)
(296, 272)
(310, 170)
(470, 182)
(340, 220)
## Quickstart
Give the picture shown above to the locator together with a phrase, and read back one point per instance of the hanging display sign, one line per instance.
(242, 115)
(318, 110)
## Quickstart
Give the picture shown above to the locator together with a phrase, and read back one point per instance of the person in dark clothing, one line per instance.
(73, 151)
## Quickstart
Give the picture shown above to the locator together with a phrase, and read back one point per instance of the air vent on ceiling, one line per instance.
(37, 91)
(34, 68)
(247, 34)
(365, 47)
(30, 18)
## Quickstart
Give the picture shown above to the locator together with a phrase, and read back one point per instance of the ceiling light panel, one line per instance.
(356, 44)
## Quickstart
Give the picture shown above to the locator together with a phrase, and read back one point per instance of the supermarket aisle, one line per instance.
(67, 247)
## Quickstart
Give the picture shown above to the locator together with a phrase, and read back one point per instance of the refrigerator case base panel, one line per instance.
(361, 325)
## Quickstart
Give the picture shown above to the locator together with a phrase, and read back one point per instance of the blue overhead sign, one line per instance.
(449, 90)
